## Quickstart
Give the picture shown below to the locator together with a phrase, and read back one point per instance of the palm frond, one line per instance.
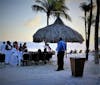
(85, 7)
(52, 7)
(38, 8)
(67, 16)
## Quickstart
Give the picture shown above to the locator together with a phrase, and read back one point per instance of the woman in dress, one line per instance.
(14, 56)
(8, 49)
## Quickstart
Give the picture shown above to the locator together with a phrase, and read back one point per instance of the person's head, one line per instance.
(4, 42)
(39, 50)
(16, 42)
(60, 39)
(20, 44)
(24, 43)
(45, 50)
(8, 42)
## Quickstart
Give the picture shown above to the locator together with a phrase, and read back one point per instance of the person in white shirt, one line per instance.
(8, 49)
(14, 56)
(2, 48)
(20, 54)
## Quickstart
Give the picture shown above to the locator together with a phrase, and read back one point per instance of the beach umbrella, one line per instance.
(53, 32)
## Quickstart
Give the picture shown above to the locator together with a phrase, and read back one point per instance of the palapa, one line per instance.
(53, 32)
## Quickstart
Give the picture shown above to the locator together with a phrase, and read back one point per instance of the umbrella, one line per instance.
(53, 32)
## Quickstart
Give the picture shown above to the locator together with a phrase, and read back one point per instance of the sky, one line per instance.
(19, 22)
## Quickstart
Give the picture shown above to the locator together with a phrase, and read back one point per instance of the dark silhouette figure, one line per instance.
(60, 54)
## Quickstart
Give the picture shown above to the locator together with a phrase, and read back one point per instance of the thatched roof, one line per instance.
(52, 33)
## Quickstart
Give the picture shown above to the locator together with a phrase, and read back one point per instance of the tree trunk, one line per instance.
(86, 37)
(87, 49)
(48, 19)
(96, 32)
(89, 29)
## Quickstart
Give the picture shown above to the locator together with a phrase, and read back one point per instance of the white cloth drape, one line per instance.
(14, 57)
(2, 48)
(7, 56)
(20, 57)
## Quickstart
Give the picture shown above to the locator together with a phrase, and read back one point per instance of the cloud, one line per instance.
(33, 23)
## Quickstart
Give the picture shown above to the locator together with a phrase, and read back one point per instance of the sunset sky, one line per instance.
(19, 22)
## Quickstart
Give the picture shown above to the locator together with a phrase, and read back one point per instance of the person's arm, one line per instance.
(6, 47)
(65, 47)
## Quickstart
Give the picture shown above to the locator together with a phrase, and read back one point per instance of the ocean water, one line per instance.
(70, 46)
(32, 46)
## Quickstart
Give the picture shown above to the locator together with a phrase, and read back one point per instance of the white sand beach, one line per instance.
(46, 75)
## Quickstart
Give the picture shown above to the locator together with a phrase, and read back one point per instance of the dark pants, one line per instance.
(60, 60)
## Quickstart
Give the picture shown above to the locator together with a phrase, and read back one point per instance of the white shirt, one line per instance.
(2, 49)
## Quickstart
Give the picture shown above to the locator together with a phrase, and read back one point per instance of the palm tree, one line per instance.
(44, 6)
(89, 26)
(96, 31)
(51, 7)
(86, 8)
(60, 9)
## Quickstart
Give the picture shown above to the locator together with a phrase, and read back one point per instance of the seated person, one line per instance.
(24, 47)
(38, 57)
(71, 51)
(47, 47)
(47, 55)
(80, 51)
